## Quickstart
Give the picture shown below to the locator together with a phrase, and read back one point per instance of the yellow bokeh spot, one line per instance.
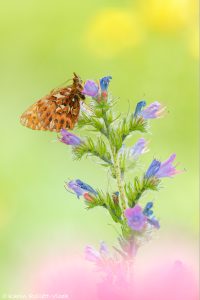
(112, 31)
(166, 16)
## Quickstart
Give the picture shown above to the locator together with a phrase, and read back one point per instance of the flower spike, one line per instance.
(122, 193)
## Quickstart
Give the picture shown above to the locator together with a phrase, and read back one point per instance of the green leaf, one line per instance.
(91, 121)
(105, 200)
(130, 124)
(105, 165)
(98, 200)
(134, 192)
(103, 105)
(114, 209)
(89, 147)
(115, 138)
(130, 194)
(151, 183)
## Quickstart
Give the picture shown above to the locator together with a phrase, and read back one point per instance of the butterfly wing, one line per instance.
(60, 109)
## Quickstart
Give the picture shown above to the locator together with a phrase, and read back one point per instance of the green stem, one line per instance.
(116, 165)
(119, 181)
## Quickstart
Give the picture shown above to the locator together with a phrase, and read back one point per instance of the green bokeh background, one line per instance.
(42, 43)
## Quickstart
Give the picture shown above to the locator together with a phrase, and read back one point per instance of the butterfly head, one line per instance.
(78, 86)
(77, 81)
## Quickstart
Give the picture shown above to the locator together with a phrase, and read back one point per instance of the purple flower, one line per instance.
(91, 88)
(104, 83)
(153, 221)
(154, 110)
(92, 255)
(149, 213)
(72, 185)
(167, 169)
(80, 188)
(85, 186)
(153, 169)
(135, 217)
(147, 210)
(139, 107)
(69, 138)
(139, 148)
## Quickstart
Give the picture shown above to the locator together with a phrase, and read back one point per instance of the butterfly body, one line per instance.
(59, 109)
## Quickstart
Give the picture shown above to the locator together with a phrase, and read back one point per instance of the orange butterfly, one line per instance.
(59, 109)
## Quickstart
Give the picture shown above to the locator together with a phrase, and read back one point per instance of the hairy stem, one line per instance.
(116, 165)
(119, 180)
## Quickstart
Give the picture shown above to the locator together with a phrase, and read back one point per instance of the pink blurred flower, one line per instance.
(92, 255)
(73, 277)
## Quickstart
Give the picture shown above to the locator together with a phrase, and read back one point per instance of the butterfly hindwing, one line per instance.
(60, 109)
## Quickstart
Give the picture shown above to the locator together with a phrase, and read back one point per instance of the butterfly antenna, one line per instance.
(65, 82)
(62, 84)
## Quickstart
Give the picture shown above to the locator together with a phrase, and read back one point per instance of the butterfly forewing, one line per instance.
(60, 109)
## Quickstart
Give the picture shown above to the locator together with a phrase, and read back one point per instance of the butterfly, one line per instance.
(57, 110)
